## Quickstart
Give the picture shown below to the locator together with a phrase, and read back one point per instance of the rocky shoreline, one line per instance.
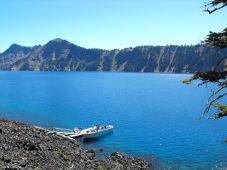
(24, 146)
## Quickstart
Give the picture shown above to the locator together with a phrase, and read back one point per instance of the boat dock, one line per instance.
(48, 131)
(72, 134)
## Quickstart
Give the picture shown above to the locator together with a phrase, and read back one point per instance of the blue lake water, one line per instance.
(154, 115)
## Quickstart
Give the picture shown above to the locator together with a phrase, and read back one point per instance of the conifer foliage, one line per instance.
(215, 76)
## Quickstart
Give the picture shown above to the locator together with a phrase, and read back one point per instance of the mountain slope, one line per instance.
(61, 55)
(13, 53)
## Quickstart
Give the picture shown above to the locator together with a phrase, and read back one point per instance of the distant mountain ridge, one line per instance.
(61, 55)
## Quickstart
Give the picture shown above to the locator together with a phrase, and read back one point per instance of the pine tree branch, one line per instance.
(219, 114)
(216, 92)
(211, 103)
(213, 10)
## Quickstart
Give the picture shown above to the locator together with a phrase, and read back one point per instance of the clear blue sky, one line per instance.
(107, 24)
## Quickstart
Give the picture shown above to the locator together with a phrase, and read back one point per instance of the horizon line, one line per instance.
(57, 39)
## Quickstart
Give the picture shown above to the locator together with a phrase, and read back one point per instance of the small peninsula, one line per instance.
(24, 146)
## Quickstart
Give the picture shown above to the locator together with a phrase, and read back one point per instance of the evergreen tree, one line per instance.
(214, 76)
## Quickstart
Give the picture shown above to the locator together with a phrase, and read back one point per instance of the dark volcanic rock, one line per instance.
(25, 147)
(125, 162)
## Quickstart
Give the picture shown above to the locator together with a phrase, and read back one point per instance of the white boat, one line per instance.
(96, 131)
(89, 133)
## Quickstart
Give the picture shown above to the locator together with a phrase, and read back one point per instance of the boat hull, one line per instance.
(95, 135)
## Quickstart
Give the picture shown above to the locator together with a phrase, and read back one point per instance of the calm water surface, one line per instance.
(154, 114)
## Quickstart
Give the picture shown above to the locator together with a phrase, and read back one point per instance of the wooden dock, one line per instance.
(48, 131)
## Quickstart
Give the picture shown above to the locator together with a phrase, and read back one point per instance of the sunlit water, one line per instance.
(154, 115)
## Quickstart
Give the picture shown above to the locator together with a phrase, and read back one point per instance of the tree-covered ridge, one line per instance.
(61, 55)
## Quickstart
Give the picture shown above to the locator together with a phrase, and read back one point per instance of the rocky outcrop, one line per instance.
(61, 55)
(23, 146)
